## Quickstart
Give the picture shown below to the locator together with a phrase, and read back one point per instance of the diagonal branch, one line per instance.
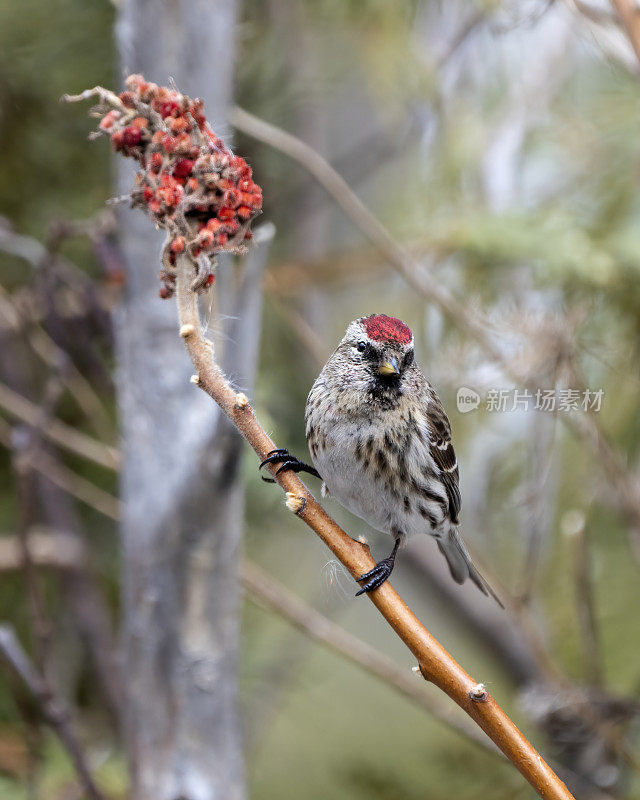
(435, 662)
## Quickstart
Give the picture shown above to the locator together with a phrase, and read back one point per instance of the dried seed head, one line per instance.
(188, 178)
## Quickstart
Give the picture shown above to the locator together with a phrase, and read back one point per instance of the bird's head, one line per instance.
(378, 350)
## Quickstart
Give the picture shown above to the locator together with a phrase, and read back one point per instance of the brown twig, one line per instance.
(435, 663)
(50, 707)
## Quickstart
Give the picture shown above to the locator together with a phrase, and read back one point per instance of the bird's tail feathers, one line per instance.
(460, 564)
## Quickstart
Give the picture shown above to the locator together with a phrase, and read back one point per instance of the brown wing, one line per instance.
(443, 453)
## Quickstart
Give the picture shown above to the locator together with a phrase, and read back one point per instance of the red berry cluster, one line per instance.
(190, 182)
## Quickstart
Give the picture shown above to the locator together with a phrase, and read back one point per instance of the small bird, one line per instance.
(380, 440)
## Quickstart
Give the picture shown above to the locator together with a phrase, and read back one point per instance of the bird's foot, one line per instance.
(380, 573)
(287, 463)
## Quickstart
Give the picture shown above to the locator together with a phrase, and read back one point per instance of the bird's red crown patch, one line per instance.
(381, 328)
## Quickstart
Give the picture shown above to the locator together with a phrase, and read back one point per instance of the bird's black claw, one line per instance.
(376, 576)
(275, 455)
(289, 462)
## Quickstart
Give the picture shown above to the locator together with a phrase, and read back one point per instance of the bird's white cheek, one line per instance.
(347, 378)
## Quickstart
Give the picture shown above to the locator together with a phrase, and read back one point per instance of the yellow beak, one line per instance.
(389, 367)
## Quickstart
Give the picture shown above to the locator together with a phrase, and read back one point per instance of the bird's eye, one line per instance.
(361, 347)
(408, 359)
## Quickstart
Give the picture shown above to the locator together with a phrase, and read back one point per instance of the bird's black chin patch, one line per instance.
(386, 390)
(390, 381)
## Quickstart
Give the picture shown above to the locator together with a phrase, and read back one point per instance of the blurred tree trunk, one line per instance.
(182, 499)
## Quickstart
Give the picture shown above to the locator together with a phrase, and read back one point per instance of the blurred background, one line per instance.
(149, 578)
